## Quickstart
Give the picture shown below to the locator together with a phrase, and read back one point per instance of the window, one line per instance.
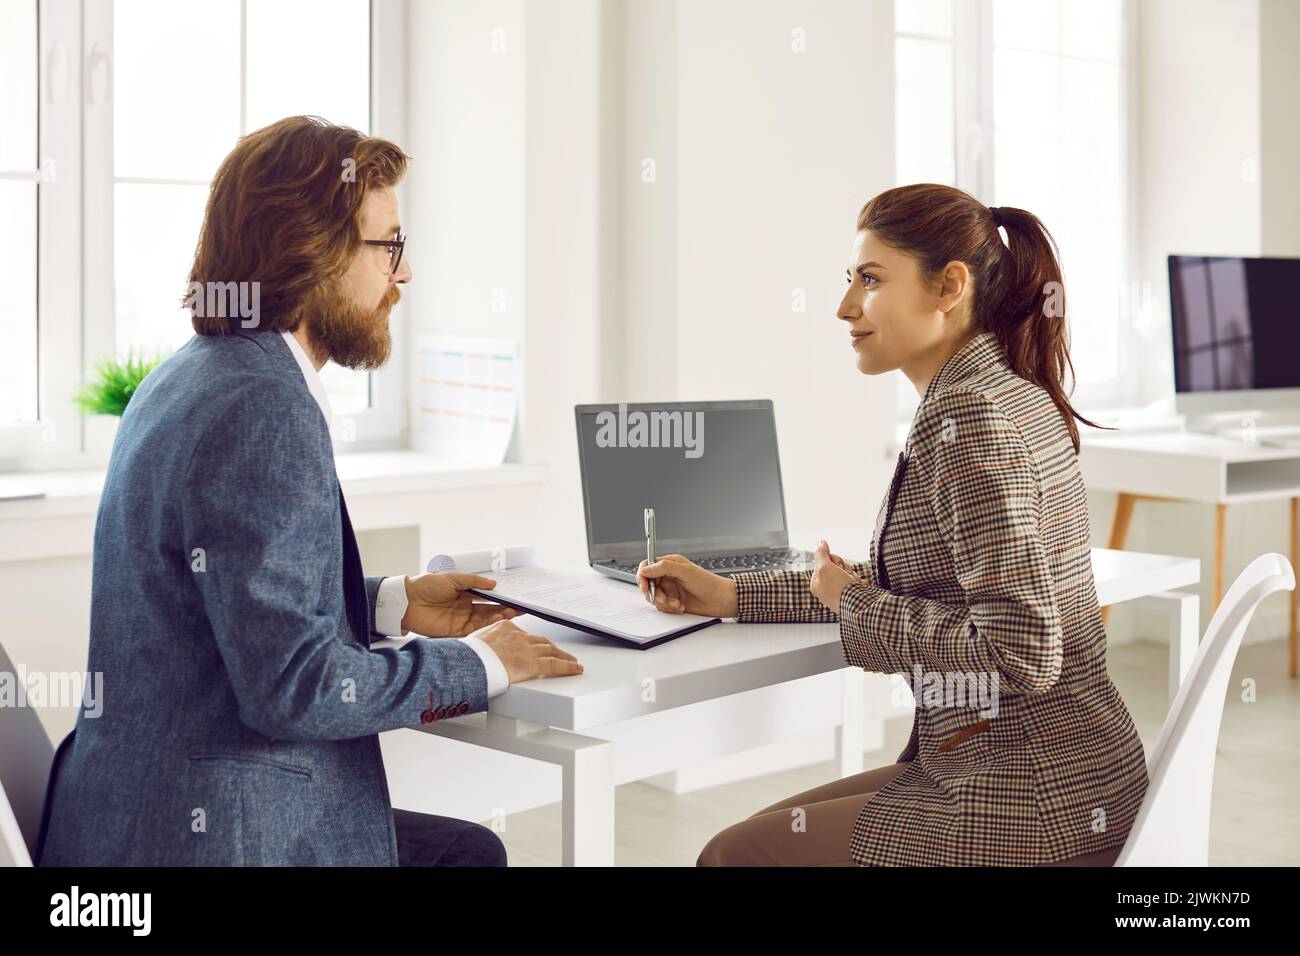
(1037, 118)
(19, 191)
(925, 148)
(290, 64)
(169, 87)
(40, 253)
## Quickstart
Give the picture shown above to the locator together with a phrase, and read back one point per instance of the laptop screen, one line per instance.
(709, 469)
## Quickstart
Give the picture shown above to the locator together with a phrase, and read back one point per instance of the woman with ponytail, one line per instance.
(979, 587)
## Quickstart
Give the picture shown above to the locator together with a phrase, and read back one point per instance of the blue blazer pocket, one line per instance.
(257, 760)
(250, 810)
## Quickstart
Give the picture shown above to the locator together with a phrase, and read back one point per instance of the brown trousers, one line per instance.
(813, 828)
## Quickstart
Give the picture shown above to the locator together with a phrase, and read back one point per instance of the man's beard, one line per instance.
(346, 334)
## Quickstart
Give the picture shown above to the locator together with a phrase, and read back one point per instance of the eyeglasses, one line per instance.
(395, 247)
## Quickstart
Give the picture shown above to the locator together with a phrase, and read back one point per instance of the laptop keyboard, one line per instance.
(767, 560)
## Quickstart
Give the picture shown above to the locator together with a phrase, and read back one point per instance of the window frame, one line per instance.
(76, 305)
(975, 163)
(57, 431)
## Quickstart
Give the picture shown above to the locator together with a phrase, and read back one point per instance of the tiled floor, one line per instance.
(1256, 813)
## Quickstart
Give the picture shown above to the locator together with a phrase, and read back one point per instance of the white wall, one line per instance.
(527, 178)
(466, 134)
(1198, 141)
(1279, 36)
(647, 132)
(763, 157)
(506, 135)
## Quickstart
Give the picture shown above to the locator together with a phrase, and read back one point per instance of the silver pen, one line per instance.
(650, 546)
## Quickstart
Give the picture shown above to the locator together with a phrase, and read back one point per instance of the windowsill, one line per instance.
(72, 493)
(395, 472)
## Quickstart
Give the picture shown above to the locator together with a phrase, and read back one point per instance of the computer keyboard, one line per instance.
(735, 563)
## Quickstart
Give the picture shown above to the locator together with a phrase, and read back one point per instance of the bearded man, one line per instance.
(230, 616)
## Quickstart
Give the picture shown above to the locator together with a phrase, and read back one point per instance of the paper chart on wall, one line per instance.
(466, 397)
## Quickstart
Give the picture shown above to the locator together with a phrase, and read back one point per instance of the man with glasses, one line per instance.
(230, 615)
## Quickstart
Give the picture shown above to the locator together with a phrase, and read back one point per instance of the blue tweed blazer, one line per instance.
(232, 624)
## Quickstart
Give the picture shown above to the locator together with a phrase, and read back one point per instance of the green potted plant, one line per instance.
(115, 383)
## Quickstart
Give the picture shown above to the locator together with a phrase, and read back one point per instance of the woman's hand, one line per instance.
(684, 587)
(831, 575)
(439, 605)
(840, 562)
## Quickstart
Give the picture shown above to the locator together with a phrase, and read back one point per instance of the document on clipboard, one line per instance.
(597, 605)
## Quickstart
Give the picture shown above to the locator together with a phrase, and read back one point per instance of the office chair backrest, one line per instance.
(25, 758)
(1173, 824)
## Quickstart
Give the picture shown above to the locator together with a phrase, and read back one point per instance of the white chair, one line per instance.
(1173, 824)
(25, 759)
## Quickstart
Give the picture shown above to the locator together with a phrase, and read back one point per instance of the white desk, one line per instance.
(544, 719)
(1191, 466)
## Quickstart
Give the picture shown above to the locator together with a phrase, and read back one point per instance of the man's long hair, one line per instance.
(282, 212)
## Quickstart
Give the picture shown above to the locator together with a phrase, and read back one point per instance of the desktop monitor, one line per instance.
(1236, 333)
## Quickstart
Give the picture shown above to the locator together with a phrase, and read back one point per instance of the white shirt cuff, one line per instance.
(497, 678)
(390, 606)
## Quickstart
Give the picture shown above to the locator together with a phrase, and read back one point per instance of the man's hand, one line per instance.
(527, 655)
(831, 575)
(438, 605)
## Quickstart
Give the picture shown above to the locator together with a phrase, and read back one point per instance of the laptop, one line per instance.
(710, 471)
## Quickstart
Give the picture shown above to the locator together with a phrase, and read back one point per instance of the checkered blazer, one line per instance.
(980, 592)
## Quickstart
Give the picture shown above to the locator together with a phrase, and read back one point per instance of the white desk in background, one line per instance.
(545, 719)
(1194, 466)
